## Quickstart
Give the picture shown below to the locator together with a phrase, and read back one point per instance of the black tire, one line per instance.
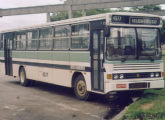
(80, 88)
(22, 77)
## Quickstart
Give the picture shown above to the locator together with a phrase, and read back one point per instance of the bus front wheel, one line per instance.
(80, 88)
(22, 77)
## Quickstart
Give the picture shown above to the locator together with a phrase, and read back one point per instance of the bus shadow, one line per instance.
(63, 91)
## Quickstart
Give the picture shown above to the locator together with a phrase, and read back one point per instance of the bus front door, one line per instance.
(7, 52)
(97, 43)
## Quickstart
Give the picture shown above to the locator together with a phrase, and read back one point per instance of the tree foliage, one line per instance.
(146, 8)
(64, 15)
(162, 33)
(59, 16)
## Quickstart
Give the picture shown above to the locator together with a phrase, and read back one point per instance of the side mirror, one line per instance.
(107, 31)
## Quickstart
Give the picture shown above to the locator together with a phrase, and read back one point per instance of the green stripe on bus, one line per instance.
(1, 53)
(49, 55)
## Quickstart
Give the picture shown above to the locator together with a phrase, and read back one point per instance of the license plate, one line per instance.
(138, 85)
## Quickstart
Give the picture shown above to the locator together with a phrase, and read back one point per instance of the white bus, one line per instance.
(107, 53)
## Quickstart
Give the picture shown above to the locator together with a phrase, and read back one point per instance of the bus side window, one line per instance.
(62, 36)
(20, 40)
(80, 36)
(46, 36)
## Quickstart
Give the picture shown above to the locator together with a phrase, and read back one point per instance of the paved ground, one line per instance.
(45, 102)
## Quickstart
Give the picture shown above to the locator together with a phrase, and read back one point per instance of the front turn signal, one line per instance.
(162, 74)
(109, 76)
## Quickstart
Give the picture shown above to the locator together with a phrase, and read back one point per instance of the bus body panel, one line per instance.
(47, 66)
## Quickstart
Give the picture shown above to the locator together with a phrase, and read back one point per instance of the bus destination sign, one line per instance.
(145, 20)
(120, 19)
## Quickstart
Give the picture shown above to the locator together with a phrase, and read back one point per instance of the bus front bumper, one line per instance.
(138, 85)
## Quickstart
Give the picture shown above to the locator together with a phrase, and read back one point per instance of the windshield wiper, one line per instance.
(149, 54)
(124, 58)
(151, 58)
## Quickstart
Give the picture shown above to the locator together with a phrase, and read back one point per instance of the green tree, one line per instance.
(146, 8)
(97, 11)
(64, 15)
(162, 33)
(59, 16)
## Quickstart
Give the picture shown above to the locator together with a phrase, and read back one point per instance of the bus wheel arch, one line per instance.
(79, 86)
(75, 74)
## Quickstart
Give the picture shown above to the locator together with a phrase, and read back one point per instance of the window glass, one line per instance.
(148, 42)
(62, 34)
(32, 42)
(29, 35)
(45, 44)
(80, 42)
(23, 36)
(46, 33)
(20, 40)
(46, 36)
(61, 43)
(121, 44)
(35, 34)
(80, 36)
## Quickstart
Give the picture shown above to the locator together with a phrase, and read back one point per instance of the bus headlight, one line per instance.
(152, 75)
(121, 76)
(115, 76)
(157, 75)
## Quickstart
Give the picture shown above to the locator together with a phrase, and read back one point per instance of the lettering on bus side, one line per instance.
(77, 68)
(45, 74)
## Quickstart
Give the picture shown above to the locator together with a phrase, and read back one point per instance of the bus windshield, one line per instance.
(133, 43)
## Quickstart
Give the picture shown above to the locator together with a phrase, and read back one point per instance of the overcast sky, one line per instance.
(24, 20)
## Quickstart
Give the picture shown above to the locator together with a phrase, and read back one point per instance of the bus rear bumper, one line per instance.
(140, 85)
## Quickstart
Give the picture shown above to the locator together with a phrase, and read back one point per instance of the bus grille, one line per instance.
(136, 67)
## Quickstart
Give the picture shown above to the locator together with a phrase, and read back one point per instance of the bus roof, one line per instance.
(79, 20)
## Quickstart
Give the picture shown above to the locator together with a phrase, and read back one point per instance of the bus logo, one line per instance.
(138, 75)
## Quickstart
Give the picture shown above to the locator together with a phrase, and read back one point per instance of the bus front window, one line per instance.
(148, 42)
(121, 44)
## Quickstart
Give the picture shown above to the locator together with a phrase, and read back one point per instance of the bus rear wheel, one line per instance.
(80, 88)
(22, 78)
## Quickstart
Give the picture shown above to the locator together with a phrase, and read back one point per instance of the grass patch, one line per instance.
(150, 107)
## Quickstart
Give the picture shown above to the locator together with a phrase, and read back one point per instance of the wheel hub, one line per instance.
(81, 88)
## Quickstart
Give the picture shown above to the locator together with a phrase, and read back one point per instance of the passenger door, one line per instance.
(8, 53)
(97, 48)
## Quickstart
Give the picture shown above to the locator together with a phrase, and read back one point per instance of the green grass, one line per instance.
(150, 107)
